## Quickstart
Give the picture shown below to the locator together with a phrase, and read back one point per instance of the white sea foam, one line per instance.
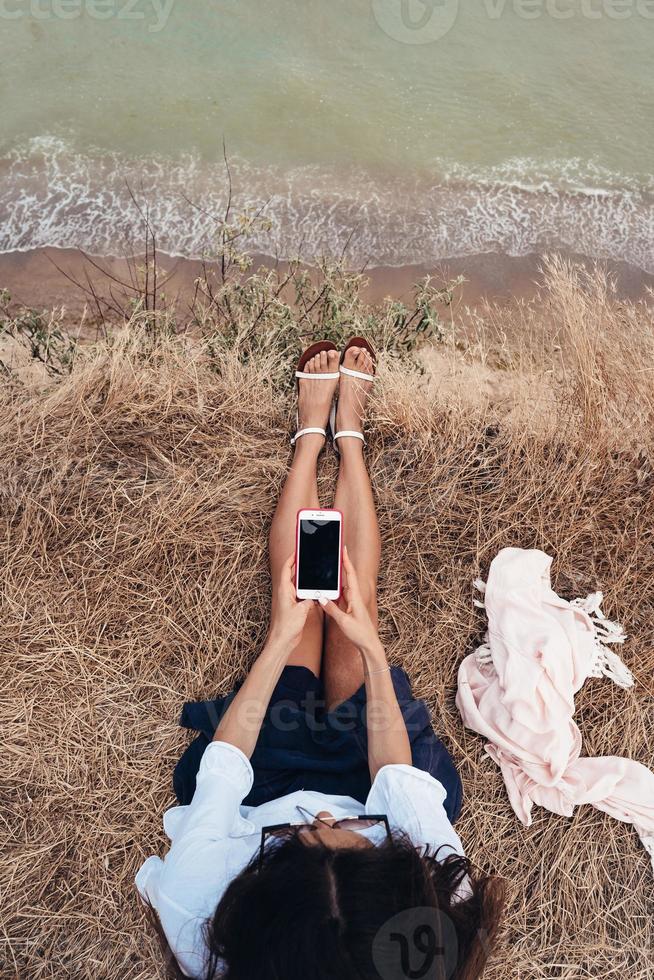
(52, 194)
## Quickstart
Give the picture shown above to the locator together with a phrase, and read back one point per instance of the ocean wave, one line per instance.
(53, 194)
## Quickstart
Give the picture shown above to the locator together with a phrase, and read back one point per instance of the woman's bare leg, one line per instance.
(342, 665)
(301, 490)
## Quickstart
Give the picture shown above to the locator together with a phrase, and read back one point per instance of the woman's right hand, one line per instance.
(351, 613)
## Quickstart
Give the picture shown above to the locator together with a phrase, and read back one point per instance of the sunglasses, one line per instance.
(285, 830)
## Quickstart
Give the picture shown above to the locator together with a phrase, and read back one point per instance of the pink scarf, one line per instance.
(518, 691)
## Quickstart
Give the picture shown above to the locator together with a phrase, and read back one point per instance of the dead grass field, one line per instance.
(136, 493)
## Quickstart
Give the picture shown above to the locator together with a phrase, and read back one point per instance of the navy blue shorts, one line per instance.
(302, 746)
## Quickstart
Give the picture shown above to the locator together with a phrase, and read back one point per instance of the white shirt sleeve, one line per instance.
(184, 889)
(413, 802)
(223, 781)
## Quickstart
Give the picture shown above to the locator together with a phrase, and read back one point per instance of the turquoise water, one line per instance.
(423, 130)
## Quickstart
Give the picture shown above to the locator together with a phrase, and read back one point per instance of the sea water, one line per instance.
(408, 130)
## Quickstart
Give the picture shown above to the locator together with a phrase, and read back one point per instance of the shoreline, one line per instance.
(33, 279)
(54, 193)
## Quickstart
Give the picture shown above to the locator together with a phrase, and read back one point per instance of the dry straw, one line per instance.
(137, 492)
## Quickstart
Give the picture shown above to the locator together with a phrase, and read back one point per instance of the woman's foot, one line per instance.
(315, 398)
(353, 395)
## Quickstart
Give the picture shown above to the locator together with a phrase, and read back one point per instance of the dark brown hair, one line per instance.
(354, 914)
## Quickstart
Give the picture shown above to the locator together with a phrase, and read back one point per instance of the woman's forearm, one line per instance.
(388, 740)
(241, 723)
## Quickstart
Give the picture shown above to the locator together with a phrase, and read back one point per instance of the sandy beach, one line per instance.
(41, 278)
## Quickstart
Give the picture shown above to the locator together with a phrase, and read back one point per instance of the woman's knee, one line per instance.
(316, 615)
(313, 627)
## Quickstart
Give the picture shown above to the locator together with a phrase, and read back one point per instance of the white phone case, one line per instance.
(320, 515)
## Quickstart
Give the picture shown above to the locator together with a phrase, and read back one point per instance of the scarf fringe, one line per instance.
(648, 844)
(605, 663)
(647, 840)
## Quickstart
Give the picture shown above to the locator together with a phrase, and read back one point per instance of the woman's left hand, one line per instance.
(288, 615)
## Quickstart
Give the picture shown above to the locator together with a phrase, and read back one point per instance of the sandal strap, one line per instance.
(333, 376)
(349, 433)
(356, 374)
(313, 430)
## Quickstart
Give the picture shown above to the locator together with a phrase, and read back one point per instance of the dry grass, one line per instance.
(136, 497)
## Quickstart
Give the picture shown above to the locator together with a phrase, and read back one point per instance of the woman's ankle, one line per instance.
(350, 448)
(308, 446)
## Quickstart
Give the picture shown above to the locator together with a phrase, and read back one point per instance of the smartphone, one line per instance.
(318, 554)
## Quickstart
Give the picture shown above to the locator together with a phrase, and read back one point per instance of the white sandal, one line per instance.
(350, 433)
(322, 345)
(344, 433)
(356, 374)
(312, 430)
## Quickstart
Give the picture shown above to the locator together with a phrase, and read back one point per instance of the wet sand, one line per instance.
(53, 277)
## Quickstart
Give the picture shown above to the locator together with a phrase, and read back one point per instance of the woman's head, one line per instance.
(317, 907)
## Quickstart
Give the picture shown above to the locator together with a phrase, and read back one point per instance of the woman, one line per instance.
(315, 838)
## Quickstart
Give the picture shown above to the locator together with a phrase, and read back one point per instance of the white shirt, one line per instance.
(215, 837)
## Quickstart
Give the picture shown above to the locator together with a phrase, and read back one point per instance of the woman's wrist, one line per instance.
(373, 655)
(275, 647)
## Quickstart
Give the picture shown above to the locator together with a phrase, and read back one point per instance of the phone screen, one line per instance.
(319, 555)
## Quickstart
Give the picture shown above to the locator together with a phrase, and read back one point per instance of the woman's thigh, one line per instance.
(342, 666)
(308, 652)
